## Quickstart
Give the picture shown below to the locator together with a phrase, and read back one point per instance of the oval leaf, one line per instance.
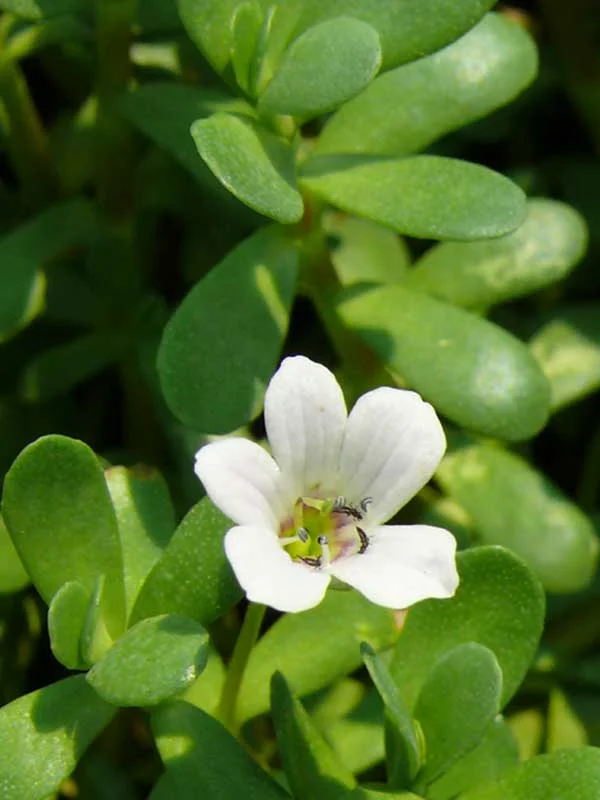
(209, 25)
(331, 633)
(404, 110)
(193, 576)
(58, 511)
(551, 534)
(311, 767)
(204, 760)
(458, 702)
(154, 661)
(564, 775)
(221, 346)
(13, 575)
(424, 196)
(474, 372)
(44, 734)
(66, 620)
(324, 67)
(499, 604)
(543, 250)
(255, 165)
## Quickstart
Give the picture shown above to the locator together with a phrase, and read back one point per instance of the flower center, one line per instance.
(319, 531)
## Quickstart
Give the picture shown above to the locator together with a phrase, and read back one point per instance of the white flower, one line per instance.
(315, 509)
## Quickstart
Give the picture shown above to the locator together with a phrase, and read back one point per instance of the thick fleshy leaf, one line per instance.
(221, 345)
(209, 25)
(535, 520)
(165, 112)
(496, 754)
(403, 748)
(58, 511)
(404, 110)
(499, 604)
(154, 661)
(267, 573)
(203, 759)
(66, 620)
(246, 27)
(323, 68)
(543, 250)
(471, 370)
(44, 734)
(364, 252)
(254, 164)
(429, 197)
(13, 575)
(331, 633)
(305, 415)
(23, 253)
(404, 35)
(458, 702)
(568, 350)
(564, 775)
(193, 576)
(146, 521)
(311, 767)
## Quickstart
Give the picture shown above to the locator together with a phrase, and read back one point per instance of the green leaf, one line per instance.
(44, 734)
(165, 112)
(193, 576)
(209, 25)
(472, 371)
(255, 165)
(404, 110)
(568, 351)
(534, 519)
(221, 346)
(246, 26)
(458, 702)
(424, 196)
(58, 511)
(564, 775)
(13, 575)
(204, 760)
(405, 34)
(146, 521)
(564, 726)
(404, 738)
(153, 661)
(60, 369)
(499, 604)
(324, 67)
(311, 767)
(496, 754)
(66, 621)
(43, 9)
(331, 633)
(364, 252)
(95, 639)
(543, 250)
(528, 730)
(23, 253)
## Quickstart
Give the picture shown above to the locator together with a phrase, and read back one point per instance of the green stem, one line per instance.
(114, 20)
(26, 140)
(237, 666)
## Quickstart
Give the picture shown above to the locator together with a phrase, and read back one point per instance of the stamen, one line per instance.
(365, 503)
(325, 552)
(301, 536)
(364, 540)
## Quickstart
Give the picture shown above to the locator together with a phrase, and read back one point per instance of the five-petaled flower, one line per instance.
(314, 511)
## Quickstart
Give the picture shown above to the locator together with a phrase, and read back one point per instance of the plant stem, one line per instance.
(114, 19)
(237, 666)
(26, 140)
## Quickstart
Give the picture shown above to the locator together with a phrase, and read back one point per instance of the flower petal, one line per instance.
(267, 573)
(243, 481)
(392, 446)
(305, 414)
(402, 565)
